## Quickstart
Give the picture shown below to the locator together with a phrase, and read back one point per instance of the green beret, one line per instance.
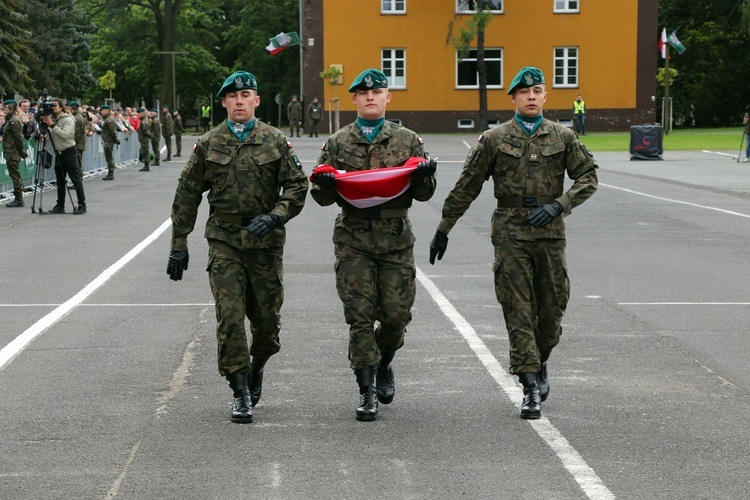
(175, 110)
(165, 106)
(141, 110)
(8, 102)
(106, 106)
(369, 79)
(73, 104)
(154, 110)
(527, 77)
(239, 80)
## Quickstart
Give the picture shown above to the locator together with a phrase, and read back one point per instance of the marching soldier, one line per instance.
(178, 130)
(167, 129)
(255, 184)
(374, 248)
(144, 138)
(527, 158)
(109, 138)
(155, 125)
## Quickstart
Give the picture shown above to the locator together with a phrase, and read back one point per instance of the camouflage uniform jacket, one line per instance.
(294, 111)
(167, 128)
(109, 131)
(80, 131)
(155, 127)
(348, 150)
(13, 143)
(523, 166)
(144, 132)
(260, 175)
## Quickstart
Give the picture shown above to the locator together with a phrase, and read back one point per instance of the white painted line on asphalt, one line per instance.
(584, 475)
(680, 202)
(187, 304)
(18, 344)
(719, 153)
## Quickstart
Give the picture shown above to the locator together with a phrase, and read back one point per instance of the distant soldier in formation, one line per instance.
(155, 125)
(294, 114)
(179, 128)
(110, 139)
(314, 114)
(14, 149)
(144, 138)
(167, 129)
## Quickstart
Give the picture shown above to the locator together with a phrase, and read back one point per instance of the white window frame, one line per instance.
(567, 69)
(394, 81)
(469, 58)
(567, 6)
(391, 7)
(465, 123)
(462, 7)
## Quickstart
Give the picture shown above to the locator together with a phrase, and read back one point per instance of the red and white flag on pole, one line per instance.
(663, 43)
(368, 188)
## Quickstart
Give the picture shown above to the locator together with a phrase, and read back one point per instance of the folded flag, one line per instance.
(368, 188)
(281, 42)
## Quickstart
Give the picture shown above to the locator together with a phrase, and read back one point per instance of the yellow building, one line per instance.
(604, 50)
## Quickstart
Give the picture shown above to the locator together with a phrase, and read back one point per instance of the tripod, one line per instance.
(739, 155)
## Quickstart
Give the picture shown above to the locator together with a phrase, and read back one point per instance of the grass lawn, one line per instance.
(713, 139)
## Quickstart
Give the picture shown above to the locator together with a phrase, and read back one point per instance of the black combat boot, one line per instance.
(384, 380)
(145, 167)
(542, 377)
(255, 378)
(532, 406)
(17, 202)
(108, 177)
(368, 401)
(242, 410)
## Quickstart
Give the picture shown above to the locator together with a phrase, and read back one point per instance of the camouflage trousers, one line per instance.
(375, 287)
(157, 150)
(145, 151)
(532, 286)
(109, 156)
(168, 142)
(15, 174)
(245, 283)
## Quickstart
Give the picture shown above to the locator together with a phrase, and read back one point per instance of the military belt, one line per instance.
(242, 220)
(375, 212)
(524, 201)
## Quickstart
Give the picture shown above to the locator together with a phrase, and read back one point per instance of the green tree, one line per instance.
(14, 50)
(474, 29)
(59, 43)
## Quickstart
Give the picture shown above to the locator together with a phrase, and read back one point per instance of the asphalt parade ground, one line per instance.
(109, 386)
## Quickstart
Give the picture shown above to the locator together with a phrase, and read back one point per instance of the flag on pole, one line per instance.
(369, 188)
(675, 42)
(281, 42)
(663, 43)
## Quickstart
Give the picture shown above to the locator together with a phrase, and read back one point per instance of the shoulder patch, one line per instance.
(587, 150)
(420, 140)
(195, 146)
(480, 138)
(297, 162)
(324, 146)
(289, 144)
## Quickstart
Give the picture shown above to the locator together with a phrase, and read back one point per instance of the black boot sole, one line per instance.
(531, 416)
(366, 418)
(242, 420)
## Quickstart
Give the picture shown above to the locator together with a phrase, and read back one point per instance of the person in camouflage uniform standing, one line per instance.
(294, 114)
(155, 125)
(527, 158)
(179, 128)
(80, 135)
(374, 248)
(255, 185)
(167, 129)
(110, 139)
(144, 138)
(13, 149)
(314, 114)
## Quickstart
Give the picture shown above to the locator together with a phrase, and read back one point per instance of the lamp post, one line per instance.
(174, 85)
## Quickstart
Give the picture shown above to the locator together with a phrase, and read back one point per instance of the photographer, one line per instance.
(61, 129)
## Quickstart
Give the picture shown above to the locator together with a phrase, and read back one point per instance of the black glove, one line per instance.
(262, 224)
(324, 180)
(438, 246)
(545, 214)
(425, 168)
(178, 262)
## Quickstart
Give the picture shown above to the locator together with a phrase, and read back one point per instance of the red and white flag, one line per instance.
(663, 43)
(368, 188)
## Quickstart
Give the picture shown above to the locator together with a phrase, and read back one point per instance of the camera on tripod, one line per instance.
(45, 106)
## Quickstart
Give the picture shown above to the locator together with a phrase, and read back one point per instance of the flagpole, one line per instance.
(667, 108)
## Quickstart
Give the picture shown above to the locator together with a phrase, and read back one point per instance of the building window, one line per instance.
(470, 6)
(492, 123)
(393, 7)
(466, 123)
(395, 120)
(566, 6)
(393, 63)
(467, 76)
(566, 67)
